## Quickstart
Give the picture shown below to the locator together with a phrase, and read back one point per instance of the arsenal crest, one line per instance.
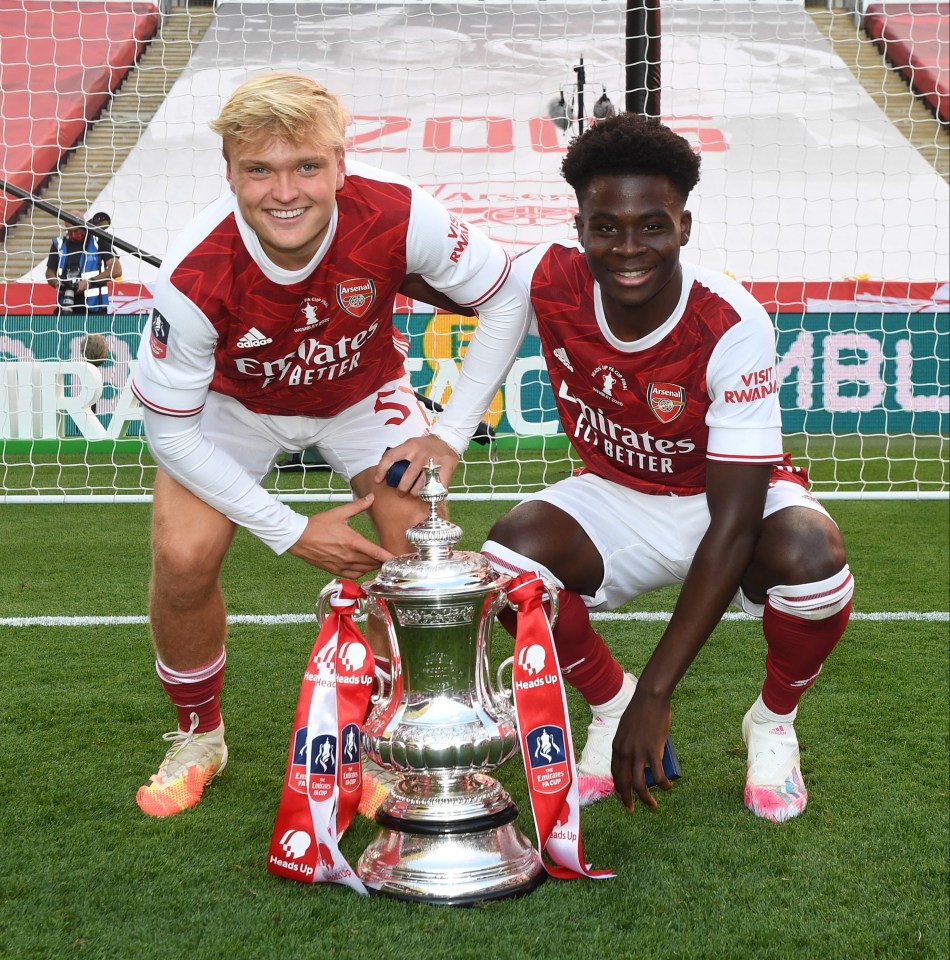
(356, 296)
(666, 400)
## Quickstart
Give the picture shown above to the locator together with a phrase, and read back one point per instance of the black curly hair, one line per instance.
(629, 143)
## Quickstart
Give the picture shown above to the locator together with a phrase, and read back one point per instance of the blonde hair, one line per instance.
(288, 106)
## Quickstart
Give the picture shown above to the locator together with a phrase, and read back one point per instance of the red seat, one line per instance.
(62, 59)
(915, 38)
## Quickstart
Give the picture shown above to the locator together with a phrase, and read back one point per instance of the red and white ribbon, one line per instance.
(544, 729)
(324, 771)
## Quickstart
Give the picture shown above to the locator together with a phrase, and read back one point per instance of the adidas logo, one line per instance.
(561, 354)
(253, 338)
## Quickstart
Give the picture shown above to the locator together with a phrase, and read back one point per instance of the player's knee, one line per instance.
(820, 555)
(514, 531)
(806, 563)
(536, 529)
(184, 567)
(392, 515)
(801, 547)
(552, 541)
(836, 556)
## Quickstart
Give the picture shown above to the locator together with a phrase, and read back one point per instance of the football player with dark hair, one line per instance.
(665, 382)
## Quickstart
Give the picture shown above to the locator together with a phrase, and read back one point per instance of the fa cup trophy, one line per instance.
(448, 828)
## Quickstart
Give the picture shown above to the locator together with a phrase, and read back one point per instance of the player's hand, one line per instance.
(415, 455)
(638, 745)
(330, 543)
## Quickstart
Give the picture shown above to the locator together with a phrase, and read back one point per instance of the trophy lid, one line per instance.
(436, 567)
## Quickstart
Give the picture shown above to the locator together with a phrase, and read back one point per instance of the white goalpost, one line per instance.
(812, 195)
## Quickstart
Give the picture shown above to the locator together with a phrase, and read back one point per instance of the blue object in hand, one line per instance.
(395, 472)
(671, 764)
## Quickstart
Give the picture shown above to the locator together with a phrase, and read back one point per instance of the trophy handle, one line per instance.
(323, 601)
(502, 689)
(381, 683)
(383, 686)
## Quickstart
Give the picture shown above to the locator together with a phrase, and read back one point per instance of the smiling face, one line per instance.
(632, 227)
(286, 192)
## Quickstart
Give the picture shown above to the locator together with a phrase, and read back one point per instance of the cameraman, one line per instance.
(80, 266)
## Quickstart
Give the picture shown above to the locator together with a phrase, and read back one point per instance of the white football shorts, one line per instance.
(350, 442)
(648, 541)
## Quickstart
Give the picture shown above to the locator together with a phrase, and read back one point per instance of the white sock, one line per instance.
(762, 714)
(619, 700)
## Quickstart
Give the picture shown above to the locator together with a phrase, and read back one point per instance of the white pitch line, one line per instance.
(284, 618)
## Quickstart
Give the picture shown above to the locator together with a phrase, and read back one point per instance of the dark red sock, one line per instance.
(796, 650)
(195, 691)
(586, 661)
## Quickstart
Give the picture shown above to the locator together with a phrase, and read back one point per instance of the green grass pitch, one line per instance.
(863, 874)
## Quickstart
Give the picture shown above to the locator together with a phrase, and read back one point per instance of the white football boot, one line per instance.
(594, 779)
(774, 789)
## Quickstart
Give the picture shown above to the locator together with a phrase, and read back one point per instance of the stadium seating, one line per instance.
(61, 62)
(915, 38)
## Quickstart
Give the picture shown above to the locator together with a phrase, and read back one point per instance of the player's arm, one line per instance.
(415, 288)
(736, 497)
(502, 327)
(324, 540)
(476, 276)
(172, 376)
(744, 440)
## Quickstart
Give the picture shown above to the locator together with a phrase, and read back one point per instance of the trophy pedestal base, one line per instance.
(450, 840)
(453, 863)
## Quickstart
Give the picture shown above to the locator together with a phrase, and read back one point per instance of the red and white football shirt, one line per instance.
(314, 341)
(648, 414)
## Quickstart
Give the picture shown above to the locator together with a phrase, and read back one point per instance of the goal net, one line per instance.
(824, 189)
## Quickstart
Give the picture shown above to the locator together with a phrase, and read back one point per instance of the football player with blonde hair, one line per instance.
(272, 332)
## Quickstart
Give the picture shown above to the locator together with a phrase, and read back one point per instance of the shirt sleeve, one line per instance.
(744, 419)
(175, 355)
(174, 369)
(523, 268)
(188, 456)
(451, 254)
